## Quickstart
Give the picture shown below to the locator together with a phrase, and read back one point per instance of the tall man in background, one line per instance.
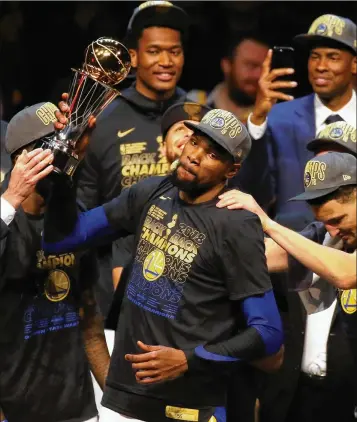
(289, 126)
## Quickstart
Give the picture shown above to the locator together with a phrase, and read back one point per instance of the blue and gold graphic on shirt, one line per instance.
(42, 317)
(165, 253)
(49, 311)
(349, 301)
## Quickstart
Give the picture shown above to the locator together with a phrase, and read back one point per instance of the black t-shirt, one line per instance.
(125, 147)
(193, 265)
(44, 369)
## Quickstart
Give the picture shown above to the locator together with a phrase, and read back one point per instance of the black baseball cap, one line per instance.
(182, 111)
(331, 29)
(339, 133)
(326, 173)
(158, 13)
(226, 130)
(30, 124)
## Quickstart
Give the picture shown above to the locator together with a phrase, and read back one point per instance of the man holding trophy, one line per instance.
(50, 332)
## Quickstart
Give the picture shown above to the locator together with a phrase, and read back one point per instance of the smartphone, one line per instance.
(283, 57)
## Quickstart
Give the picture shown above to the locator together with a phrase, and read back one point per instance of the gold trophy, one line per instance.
(106, 63)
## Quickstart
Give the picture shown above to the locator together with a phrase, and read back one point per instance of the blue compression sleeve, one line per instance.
(91, 228)
(261, 313)
(262, 337)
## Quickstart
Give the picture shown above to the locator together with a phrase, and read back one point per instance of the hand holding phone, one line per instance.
(283, 58)
(271, 88)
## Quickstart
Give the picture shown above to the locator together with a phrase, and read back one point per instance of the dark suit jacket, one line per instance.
(291, 125)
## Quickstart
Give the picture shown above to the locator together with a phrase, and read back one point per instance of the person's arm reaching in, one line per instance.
(92, 322)
(267, 95)
(99, 224)
(337, 267)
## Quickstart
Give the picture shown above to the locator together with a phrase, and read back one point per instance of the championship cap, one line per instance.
(30, 124)
(339, 133)
(182, 111)
(331, 29)
(326, 173)
(158, 13)
(226, 130)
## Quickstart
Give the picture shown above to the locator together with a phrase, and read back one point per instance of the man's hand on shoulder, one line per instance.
(236, 200)
(157, 363)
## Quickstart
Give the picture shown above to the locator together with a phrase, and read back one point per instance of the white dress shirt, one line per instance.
(347, 112)
(320, 303)
(7, 211)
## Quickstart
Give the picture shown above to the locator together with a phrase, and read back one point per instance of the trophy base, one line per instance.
(65, 160)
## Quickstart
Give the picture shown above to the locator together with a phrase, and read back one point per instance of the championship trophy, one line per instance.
(106, 63)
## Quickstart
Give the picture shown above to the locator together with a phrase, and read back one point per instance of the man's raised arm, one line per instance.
(66, 229)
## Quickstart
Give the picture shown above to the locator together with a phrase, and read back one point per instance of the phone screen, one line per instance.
(283, 57)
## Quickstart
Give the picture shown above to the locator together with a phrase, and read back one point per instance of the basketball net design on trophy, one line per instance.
(106, 63)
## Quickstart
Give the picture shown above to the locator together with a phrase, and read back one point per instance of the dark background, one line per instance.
(41, 41)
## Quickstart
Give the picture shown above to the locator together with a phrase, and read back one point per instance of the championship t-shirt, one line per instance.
(125, 147)
(44, 370)
(193, 266)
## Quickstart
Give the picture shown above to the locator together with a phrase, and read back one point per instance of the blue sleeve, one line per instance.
(105, 223)
(91, 228)
(263, 336)
(261, 313)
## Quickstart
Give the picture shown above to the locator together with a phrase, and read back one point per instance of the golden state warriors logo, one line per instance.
(307, 179)
(57, 286)
(321, 29)
(349, 301)
(336, 133)
(154, 265)
(327, 25)
(217, 122)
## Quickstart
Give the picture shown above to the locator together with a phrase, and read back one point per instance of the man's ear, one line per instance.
(226, 66)
(134, 57)
(354, 66)
(233, 170)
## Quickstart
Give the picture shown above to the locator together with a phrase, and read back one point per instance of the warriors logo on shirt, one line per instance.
(57, 286)
(154, 265)
(349, 301)
(165, 253)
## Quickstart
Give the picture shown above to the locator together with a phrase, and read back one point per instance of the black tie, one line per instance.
(333, 118)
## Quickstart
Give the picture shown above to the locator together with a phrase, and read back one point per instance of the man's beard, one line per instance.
(239, 97)
(192, 188)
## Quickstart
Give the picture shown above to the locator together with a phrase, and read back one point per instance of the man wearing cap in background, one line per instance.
(49, 330)
(286, 128)
(332, 68)
(184, 312)
(328, 369)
